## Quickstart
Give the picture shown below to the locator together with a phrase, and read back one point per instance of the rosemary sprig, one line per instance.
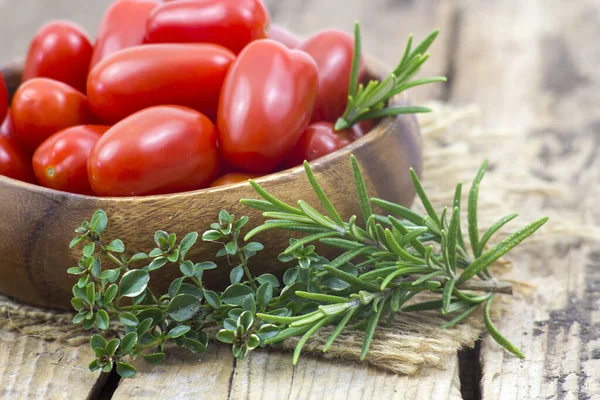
(370, 101)
(385, 262)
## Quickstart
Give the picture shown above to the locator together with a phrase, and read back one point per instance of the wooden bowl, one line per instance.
(37, 224)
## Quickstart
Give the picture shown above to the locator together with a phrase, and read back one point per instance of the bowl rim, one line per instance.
(372, 65)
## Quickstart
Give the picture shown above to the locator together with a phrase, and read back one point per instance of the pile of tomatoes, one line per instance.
(173, 96)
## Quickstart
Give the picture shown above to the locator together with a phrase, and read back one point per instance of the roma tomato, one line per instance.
(230, 23)
(42, 107)
(3, 96)
(61, 51)
(189, 75)
(279, 34)
(122, 26)
(318, 140)
(60, 162)
(14, 163)
(161, 149)
(8, 127)
(266, 103)
(332, 50)
(232, 177)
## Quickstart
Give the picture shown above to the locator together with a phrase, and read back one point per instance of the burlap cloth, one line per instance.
(454, 148)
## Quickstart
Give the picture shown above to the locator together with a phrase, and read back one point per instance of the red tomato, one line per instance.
(14, 163)
(161, 149)
(318, 140)
(189, 75)
(362, 128)
(233, 177)
(279, 34)
(61, 161)
(8, 127)
(61, 51)
(266, 103)
(332, 50)
(230, 23)
(42, 107)
(123, 25)
(3, 96)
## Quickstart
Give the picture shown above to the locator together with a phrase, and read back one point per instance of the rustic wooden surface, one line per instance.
(532, 68)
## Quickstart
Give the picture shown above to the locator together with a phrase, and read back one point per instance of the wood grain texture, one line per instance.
(533, 68)
(35, 369)
(182, 375)
(39, 222)
(271, 375)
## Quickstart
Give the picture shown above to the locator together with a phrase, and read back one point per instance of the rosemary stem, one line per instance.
(480, 286)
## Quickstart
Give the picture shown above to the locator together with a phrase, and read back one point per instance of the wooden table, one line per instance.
(531, 66)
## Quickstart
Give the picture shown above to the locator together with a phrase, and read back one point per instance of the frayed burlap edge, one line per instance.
(451, 138)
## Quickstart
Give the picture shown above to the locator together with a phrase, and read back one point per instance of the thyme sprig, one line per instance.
(371, 101)
(385, 260)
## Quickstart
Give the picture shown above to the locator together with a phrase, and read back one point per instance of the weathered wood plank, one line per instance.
(271, 375)
(385, 26)
(31, 368)
(182, 375)
(532, 67)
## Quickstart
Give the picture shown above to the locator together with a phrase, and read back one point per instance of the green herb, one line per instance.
(385, 262)
(370, 101)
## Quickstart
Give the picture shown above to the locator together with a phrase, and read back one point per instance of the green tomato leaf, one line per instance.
(156, 315)
(183, 307)
(192, 345)
(102, 319)
(236, 275)
(128, 319)
(98, 341)
(175, 286)
(187, 268)
(178, 331)
(253, 341)
(186, 244)
(111, 347)
(125, 370)
(236, 294)
(116, 245)
(134, 282)
(245, 320)
(249, 304)
(267, 331)
(264, 294)
(155, 358)
(157, 263)
(129, 342)
(99, 222)
(225, 336)
(212, 298)
(110, 293)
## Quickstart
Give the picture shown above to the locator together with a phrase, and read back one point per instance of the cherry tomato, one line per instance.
(362, 128)
(266, 103)
(42, 107)
(230, 23)
(161, 149)
(318, 140)
(123, 26)
(332, 50)
(3, 96)
(189, 75)
(14, 163)
(60, 162)
(7, 128)
(279, 34)
(232, 177)
(61, 51)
